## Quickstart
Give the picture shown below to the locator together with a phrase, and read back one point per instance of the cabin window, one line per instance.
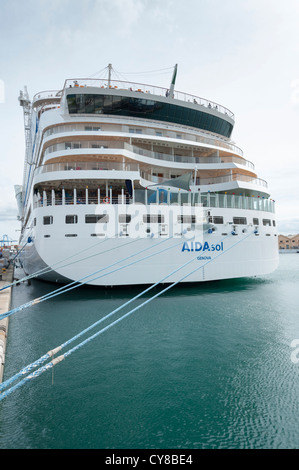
(216, 219)
(71, 219)
(48, 220)
(255, 221)
(124, 218)
(273, 223)
(267, 222)
(240, 220)
(70, 235)
(153, 219)
(186, 219)
(135, 131)
(94, 218)
(92, 128)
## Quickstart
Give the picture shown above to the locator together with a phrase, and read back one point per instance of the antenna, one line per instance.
(171, 90)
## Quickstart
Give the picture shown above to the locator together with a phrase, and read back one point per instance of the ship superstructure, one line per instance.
(117, 171)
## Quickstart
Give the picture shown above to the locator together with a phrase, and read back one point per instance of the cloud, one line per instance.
(295, 92)
(288, 226)
(90, 23)
(2, 91)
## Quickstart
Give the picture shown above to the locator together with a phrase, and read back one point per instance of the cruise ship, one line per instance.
(130, 184)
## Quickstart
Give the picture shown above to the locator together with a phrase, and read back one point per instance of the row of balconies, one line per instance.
(152, 177)
(95, 128)
(176, 156)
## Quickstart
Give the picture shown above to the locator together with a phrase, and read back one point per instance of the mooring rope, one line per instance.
(75, 348)
(79, 282)
(54, 351)
(18, 252)
(50, 268)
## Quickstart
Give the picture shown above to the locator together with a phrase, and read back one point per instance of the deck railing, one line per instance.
(99, 146)
(77, 166)
(125, 166)
(157, 197)
(97, 129)
(232, 177)
(147, 89)
(188, 158)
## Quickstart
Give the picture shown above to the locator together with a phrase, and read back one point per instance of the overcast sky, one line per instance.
(243, 54)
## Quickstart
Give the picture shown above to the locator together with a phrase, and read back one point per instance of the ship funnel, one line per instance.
(171, 90)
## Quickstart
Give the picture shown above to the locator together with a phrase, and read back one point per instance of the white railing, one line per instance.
(47, 95)
(94, 145)
(187, 158)
(147, 89)
(77, 166)
(209, 181)
(196, 134)
(233, 177)
(144, 196)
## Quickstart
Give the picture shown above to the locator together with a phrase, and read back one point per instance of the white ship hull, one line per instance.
(128, 184)
(203, 252)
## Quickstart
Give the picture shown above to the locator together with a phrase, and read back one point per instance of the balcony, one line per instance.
(189, 159)
(233, 177)
(210, 181)
(100, 146)
(46, 97)
(86, 166)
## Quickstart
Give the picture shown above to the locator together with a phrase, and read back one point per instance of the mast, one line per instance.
(109, 74)
(171, 90)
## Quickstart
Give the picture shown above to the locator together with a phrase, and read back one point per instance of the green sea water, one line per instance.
(206, 366)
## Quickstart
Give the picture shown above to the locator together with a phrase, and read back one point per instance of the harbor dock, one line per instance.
(6, 277)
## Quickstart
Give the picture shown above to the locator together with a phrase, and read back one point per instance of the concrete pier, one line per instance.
(5, 300)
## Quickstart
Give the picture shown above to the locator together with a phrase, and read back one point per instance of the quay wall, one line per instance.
(5, 301)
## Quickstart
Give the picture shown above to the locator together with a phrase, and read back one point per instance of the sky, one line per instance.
(243, 54)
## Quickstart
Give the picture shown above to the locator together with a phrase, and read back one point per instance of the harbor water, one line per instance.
(208, 366)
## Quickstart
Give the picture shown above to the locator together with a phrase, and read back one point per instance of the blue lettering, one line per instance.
(197, 246)
(185, 247)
